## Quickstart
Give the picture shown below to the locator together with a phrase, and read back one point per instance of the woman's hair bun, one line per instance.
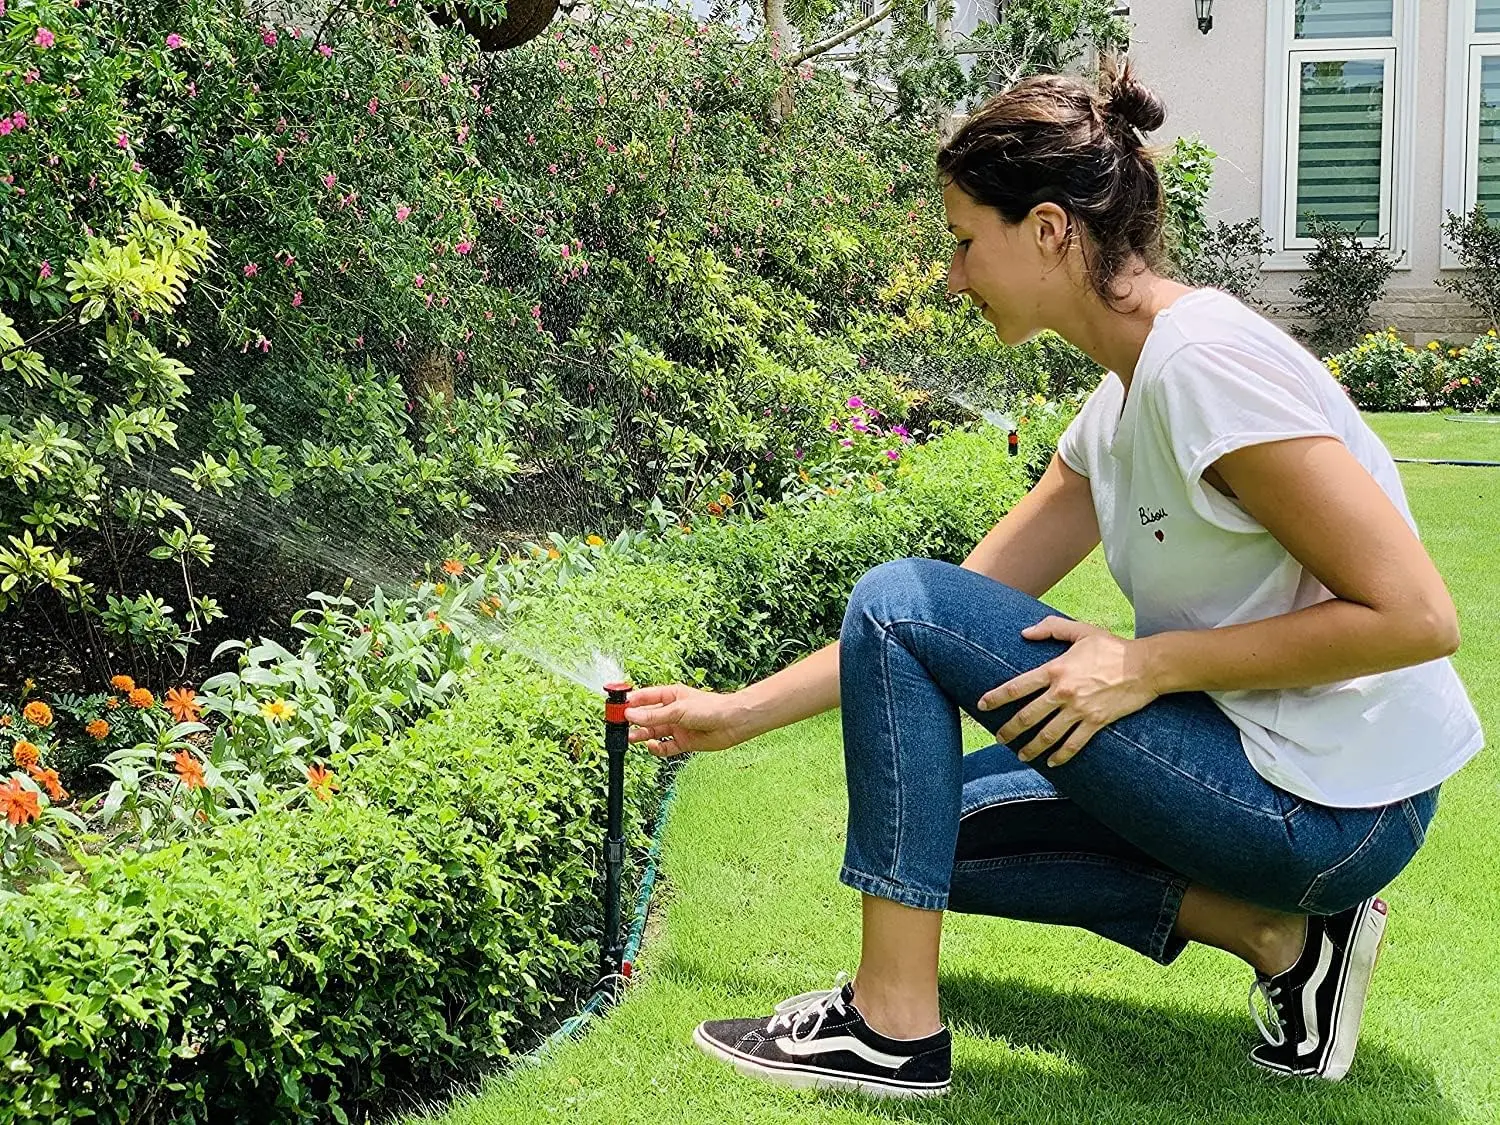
(1128, 101)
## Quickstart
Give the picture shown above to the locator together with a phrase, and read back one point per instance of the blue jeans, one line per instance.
(1109, 841)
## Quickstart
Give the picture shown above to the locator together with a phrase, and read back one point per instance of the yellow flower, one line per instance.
(553, 553)
(440, 589)
(1432, 345)
(1453, 351)
(1464, 382)
(594, 541)
(278, 709)
(1491, 332)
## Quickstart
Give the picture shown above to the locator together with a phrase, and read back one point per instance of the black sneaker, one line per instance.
(1316, 1005)
(819, 1040)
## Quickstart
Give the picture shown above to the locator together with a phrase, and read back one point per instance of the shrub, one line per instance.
(419, 921)
(1472, 379)
(1476, 242)
(1344, 281)
(1381, 372)
(1215, 254)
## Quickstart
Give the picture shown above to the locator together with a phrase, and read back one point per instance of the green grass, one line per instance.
(1051, 1024)
(1438, 437)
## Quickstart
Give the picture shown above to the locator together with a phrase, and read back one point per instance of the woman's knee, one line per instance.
(901, 588)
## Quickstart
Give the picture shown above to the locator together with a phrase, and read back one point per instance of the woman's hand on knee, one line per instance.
(1099, 679)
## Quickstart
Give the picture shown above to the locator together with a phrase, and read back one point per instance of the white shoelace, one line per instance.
(793, 1012)
(1272, 998)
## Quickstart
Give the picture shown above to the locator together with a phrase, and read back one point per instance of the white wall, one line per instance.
(1214, 86)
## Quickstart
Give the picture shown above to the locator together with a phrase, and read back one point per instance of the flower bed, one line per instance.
(308, 960)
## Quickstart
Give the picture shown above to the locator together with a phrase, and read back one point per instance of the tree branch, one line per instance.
(848, 33)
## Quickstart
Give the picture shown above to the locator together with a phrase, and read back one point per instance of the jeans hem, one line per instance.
(1165, 946)
(885, 888)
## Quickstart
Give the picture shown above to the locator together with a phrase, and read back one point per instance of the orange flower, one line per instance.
(321, 782)
(714, 509)
(49, 779)
(484, 609)
(141, 698)
(6, 720)
(453, 567)
(594, 541)
(37, 713)
(553, 553)
(189, 769)
(112, 703)
(26, 754)
(122, 683)
(19, 803)
(98, 728)
(183, 704)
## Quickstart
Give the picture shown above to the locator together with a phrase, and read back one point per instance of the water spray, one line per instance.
(616, 740)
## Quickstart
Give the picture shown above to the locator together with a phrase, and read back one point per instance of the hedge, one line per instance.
(425, 924)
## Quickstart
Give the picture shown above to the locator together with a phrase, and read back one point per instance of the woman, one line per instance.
(1248, 772)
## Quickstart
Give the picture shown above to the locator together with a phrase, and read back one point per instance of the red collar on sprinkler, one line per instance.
(614, 706)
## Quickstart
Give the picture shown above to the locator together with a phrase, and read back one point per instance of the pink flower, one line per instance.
(297, 299)
(567, 253)
(531, 138)
(359, 341)
(536, 312)
(846, 443)
(192, 89)
(280, 156)
(374, 106)
(174, 41)
(281, 125)
(463, 247)
(265, 345)
(419, 281)
(329, 180)
(798, 454)
(855, 402)
(268, 36)
(552, 169)
(44, 38)
(32, 75)
(463, 133)
(123, 140)
(401, 213)
(893, 454)
(251, 269)
(46, 270)
(5, 127)
(325, 50)
(833, 427)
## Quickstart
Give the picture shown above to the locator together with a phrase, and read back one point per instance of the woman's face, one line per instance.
(1008, 271)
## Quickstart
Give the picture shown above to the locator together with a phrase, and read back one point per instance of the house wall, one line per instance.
(1214, 86)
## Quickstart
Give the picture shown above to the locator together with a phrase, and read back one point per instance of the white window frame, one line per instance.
(1466, 48)
(1284, 56)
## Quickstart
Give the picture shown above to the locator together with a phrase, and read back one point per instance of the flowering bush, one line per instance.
(422, 298)
(1472, 376)
(1380, 372)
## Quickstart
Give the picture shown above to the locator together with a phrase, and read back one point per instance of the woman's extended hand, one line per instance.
(1099, 679)
(677, 719)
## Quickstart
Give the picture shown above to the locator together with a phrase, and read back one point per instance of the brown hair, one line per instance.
(1060, 139)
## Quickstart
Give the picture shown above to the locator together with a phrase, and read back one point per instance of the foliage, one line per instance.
(368, 288)
(1215, 254)
(1381, 373)
(1345, 278)
(431, 902)
(1476, 241)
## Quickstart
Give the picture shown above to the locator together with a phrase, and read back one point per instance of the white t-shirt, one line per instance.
(1213, 377)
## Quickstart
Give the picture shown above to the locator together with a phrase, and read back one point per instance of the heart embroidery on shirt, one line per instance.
(1159, 536)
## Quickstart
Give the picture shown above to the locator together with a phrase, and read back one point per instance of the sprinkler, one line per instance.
(1013, 440)
(616, 740)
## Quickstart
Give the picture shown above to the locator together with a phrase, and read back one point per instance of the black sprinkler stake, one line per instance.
(616, 740)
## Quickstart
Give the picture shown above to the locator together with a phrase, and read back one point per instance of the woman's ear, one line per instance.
(1053, 230)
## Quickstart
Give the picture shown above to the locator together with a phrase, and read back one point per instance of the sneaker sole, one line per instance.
(1349, 1003)
(809, 1077)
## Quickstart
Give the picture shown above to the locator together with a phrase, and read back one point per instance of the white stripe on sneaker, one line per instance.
(1310, 998)
(840, 1043)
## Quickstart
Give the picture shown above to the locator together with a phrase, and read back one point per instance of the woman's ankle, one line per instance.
(896, 1016)
(1276, 947)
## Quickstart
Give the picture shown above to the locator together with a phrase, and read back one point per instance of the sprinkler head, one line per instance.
(615, 696)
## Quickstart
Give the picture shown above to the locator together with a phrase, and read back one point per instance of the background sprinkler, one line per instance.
(616, 740)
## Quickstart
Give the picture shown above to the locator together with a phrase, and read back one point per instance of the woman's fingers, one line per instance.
(1073, 744)
(1049, 736)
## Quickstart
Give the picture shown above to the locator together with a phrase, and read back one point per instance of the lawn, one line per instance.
(1051, 1024)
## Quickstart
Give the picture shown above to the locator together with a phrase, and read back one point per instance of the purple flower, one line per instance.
(833, 427)
(174, 41)
(798, 454)
(855, 402)
(893, 454)
(900, 431)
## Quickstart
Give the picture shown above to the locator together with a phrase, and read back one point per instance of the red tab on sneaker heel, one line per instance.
(1379, 904)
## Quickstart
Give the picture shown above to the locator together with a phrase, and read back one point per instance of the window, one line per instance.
(1472, 144)
(1338, 134)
